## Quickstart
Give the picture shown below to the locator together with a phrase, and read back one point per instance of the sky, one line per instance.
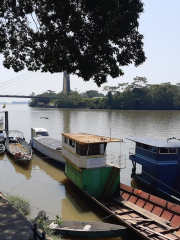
(160, 25)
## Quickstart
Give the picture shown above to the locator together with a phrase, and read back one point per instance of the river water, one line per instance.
(44, 184)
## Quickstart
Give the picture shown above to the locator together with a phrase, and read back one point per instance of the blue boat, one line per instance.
(160, 160)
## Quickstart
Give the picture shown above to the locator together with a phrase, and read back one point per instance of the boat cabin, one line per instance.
(39, 132)
(85, 150)
(160, 160)
(85, 163)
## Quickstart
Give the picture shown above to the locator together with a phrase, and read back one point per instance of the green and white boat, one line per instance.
(86, 163)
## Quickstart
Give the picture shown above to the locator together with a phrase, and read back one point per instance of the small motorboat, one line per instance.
(1, 120)
(16, 145)
(2, 148)
(88, 229)
(50, 147)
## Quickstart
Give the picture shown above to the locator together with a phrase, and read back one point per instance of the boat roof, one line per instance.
(40, 129)
(85, 138)
(156, 142)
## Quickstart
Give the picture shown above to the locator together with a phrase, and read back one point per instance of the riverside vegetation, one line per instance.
(23, 206)
(138, 95)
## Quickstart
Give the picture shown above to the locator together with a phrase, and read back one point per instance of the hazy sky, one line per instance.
(160, 25)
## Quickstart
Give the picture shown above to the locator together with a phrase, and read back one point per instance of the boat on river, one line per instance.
(2, 148)
(88, 229)
(87, 168)
(17, 147)
(46, 145)
(160, 161)
(1, 120)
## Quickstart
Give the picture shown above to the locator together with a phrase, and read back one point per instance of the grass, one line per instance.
(23, 206)
(19, 203)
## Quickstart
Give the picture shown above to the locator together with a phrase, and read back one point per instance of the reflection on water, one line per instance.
(43, 182)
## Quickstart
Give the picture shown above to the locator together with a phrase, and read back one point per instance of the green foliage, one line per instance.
(21, 204)
(58, 220)
(45, 228)
(94, 93)
(90, 38)
(139, 95)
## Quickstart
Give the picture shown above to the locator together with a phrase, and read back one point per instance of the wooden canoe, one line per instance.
(88, 229)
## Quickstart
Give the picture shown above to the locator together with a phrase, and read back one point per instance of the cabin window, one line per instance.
(71, 143)
(139, 145)
(163, 150)
(90, 149)
(173, 150)
(146, 147)
(168, 151)
(153, 149)
(39, 134)
(66, 140)
(101, 146)
(77, 148)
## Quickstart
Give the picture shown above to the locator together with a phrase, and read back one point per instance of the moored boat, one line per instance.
(1, 119)
(86, 167)
(48, 146)
(88, 229)
(2, 148)
(160, 161)
(17, 147)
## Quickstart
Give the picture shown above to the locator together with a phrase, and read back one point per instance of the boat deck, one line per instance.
(17, 147)
(149, 216)
(50, 142)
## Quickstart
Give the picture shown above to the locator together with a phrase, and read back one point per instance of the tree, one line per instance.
(139, 82)
(94, 93)
(90, 38)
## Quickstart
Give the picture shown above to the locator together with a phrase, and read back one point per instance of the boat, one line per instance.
(88, 229)
(2, 148)
(50, 147)
(18, 148)
(2, 136)
(1, 120)
(160, 161)
(87, 168)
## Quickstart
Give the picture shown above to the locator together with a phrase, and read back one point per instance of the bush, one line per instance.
(19, 203)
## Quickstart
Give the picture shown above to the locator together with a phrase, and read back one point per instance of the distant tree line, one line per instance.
(138, 95)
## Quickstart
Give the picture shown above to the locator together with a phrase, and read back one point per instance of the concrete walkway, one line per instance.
(13, 225)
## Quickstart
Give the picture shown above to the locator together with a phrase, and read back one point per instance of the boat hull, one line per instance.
(2, 148)
(88, 229)
(157, 191)
(19, 150)
(45, 148)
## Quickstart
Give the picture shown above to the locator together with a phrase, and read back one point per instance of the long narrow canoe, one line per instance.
(88, 229)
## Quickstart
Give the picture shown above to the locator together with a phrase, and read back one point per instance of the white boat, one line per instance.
(50, 147)
(16, 145)
(88, 229)
(2, 148)
(1, 120)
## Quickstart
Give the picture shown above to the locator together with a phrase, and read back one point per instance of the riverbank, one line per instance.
(13, 225)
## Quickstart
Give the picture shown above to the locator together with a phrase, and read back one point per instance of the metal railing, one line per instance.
(116, 160)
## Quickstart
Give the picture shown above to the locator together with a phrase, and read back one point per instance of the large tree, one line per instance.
(90, 38)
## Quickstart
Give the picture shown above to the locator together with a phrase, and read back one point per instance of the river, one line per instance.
(44, 184)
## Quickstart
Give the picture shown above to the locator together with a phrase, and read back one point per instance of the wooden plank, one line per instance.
(124, 213)
(159, 234)
(166, 231)
(138, 219)
(145, 213)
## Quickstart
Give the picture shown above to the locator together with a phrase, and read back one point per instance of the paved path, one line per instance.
(13, 225)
